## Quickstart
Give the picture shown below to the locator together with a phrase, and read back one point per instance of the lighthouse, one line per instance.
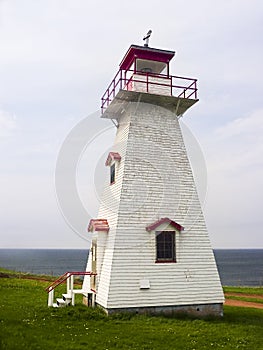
(150, 246)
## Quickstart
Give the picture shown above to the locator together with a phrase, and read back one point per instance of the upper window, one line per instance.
(112, 159)
(112, 173)
(165, 246)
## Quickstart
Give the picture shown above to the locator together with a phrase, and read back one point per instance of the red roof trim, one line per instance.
(112, 156)
(146, 53)
(98, 225)
(156, 224)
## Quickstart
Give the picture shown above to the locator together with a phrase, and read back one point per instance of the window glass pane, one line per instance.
(112, 173)
(165, 246)
(148, 66)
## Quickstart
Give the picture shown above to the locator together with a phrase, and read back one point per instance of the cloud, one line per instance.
(7, 124)
(251, 125)
(241, 143)
(235, 171)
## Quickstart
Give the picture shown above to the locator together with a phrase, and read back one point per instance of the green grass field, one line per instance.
(27, 323)
(244, 290)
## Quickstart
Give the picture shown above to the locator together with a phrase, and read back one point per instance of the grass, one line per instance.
(27, 323)
(244, 290)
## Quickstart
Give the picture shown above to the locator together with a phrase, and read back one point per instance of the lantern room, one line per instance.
(144, 75)
(143, 60)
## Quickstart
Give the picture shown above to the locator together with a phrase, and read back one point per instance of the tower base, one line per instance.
(199, 310)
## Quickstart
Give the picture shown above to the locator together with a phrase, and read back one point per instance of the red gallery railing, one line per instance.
(149, 83)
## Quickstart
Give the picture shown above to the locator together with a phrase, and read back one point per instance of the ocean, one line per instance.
(237, 267)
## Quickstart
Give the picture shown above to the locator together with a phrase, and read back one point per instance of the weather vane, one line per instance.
(147, 37)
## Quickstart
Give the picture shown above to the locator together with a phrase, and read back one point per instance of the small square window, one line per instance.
(112, 173)
(165, 246)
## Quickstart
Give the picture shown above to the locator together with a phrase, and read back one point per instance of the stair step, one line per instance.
(66, 296)
(61, 302)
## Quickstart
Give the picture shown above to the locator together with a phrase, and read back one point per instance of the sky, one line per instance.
(57, 57)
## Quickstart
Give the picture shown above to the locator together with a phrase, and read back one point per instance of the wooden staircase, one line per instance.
(69, 297)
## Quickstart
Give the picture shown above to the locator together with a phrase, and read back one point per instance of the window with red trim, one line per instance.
(165, 246)
(112, 173)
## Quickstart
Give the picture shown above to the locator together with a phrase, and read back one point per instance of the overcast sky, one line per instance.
(57, 58)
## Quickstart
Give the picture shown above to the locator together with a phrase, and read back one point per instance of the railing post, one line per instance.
(93, 300)
(102, 103)
(68, 285)
(147, 82)
(71, 283)
(73, 299)
(50, 298)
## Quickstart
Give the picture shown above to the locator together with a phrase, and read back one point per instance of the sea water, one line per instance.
(237, 267)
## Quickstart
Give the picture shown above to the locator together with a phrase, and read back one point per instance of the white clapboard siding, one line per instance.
(153, 180)
(156, 85)
(87, 278)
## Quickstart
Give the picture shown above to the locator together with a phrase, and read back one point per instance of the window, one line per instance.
(112, 173)
(165, 246)
(112, 159)
(149, 66)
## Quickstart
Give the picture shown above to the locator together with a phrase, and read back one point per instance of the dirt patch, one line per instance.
(231, 302)
(243, 303)
(230, 294)
(4, 275)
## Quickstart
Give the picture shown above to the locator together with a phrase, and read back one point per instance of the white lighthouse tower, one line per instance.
(150, 247)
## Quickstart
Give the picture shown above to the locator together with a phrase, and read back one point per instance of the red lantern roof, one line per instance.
(146, 53)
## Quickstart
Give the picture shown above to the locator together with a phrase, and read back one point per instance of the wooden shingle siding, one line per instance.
(153, 180)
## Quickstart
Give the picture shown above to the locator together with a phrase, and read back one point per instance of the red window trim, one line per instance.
(156, 224)
(165, 261)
